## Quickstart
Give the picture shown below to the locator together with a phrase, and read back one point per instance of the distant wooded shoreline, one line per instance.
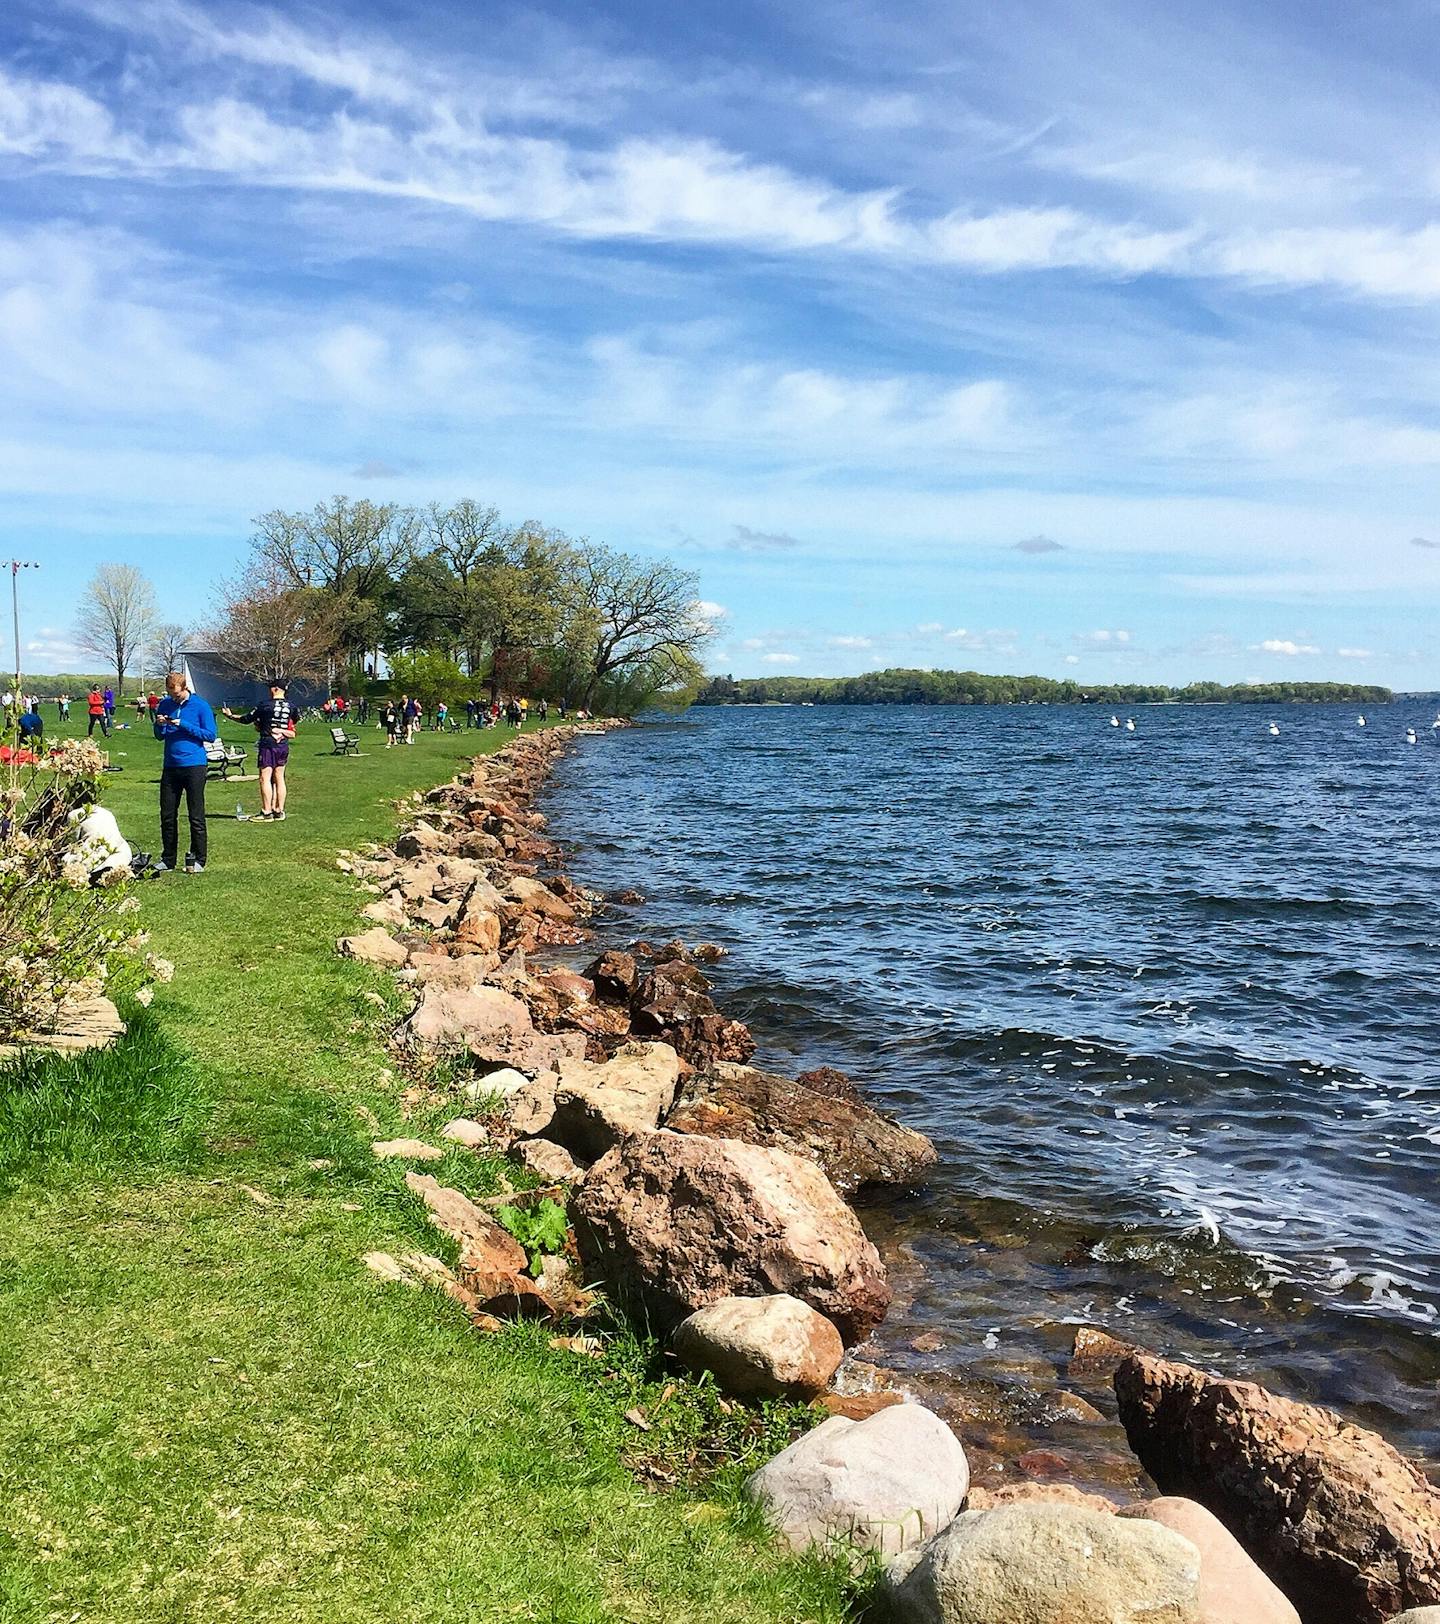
(903, 687)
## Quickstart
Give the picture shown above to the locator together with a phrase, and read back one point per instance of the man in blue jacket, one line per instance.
(186, 724)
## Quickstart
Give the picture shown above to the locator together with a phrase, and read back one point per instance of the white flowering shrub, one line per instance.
(62, 939)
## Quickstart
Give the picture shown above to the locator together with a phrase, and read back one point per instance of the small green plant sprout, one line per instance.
(541, 1229)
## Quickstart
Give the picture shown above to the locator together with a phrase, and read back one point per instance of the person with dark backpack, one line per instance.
(274, 719)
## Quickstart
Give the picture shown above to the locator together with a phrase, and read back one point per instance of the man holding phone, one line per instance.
(185, 724)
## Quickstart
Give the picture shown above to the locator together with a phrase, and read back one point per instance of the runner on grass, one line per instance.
(274, 721)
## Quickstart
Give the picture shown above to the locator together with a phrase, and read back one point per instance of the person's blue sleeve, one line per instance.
(155, 728)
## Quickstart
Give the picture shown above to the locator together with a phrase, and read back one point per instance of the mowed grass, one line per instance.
(208, 1408)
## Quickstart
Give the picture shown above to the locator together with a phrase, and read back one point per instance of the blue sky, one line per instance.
(1092, 341)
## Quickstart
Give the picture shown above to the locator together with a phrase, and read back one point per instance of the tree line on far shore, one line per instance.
(903, 687)
(451, 599)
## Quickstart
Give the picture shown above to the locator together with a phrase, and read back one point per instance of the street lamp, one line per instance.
(16, 565)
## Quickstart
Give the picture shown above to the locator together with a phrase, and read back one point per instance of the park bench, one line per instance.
(345, 744)
(220, 758)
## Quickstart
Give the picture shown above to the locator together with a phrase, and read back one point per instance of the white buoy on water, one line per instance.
(1274, 730)
(1410, 736)
(1129, 724)
(1360, 721)
(1115, 722)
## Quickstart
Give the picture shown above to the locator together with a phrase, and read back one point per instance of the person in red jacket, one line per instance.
(95, 704)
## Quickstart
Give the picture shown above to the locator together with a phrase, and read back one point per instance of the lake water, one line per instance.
(1166, 1002)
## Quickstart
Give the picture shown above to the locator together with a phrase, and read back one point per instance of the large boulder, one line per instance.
(883, 1484)
(1232, 1589)
(613, 976)
(854, 1144)
(375, 946)
(691, 1024)
(534, 897)
(596, 1106)
(672, 1222)
(491, 1024)
(1344, 1524)
(1042, 1563)
(761, 1347)
(420, 841)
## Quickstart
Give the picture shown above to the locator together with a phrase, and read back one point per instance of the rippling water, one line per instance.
(1165, 1001)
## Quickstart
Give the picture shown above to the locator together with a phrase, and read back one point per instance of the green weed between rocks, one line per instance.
(209, 1410)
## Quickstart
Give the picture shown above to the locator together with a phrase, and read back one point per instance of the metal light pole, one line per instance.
(16, 565)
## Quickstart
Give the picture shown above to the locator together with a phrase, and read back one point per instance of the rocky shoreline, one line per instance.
(709, 1201)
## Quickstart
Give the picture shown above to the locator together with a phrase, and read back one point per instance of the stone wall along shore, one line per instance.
(706, 1198)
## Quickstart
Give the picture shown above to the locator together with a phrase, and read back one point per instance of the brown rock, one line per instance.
(1097, 1353)
(675, 1221)
(420, 841)
(1341, 1521)
(598, 1105)
(549, 1161)
(485, 1247)
(493, 1025)
(464, 1131)
(829, 1080)
(534, 897)
(1072, 1407)
(376, 946)
(857, 1406)
(477, 930)
(761, 1347)
(437, 915)
(691, 1025)
(385, 911)
(854, 1144)
(1232, 1589)
(672, 977)
(469, 970)
(613, 975)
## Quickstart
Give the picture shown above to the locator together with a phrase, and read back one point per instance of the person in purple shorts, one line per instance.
(274, 721)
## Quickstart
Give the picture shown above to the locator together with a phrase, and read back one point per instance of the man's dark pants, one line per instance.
(189, 782)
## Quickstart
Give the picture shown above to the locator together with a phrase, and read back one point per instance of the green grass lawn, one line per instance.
(208, 1408)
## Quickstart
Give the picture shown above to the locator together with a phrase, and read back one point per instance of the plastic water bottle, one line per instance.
(240, 814)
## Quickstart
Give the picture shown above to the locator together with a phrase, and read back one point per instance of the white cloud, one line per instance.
(711, 611)
(1354, 653)
(991, 641)
(930, 628)
(1072, 659)
(1103, 638)
(1284, 645)
(851, 642)
(781, 658)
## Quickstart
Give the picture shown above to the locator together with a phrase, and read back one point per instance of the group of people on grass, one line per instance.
(185, 725)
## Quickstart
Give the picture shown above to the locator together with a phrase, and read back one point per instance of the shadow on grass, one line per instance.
(139, 1103)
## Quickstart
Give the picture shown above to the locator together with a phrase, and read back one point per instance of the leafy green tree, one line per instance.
(428, 675)
(350, 551)
(633, 614)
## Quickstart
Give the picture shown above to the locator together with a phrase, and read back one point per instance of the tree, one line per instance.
(167, 644)
(462, 539)
(523, 586)
(634, 612)
(428, 675)
(116, 617)
(349, 551)
(273, 630)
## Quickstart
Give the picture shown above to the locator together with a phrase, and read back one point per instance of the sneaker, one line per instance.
(160, 868)
(194, 868)
(278, 817)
